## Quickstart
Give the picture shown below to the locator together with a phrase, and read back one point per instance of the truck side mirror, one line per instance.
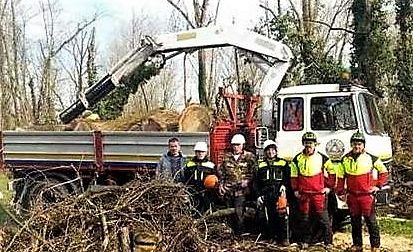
(261, 135)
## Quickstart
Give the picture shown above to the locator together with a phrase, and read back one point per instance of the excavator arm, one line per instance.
(271, 56)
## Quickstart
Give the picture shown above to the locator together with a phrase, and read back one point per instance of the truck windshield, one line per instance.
(333, 113)
(370, 114)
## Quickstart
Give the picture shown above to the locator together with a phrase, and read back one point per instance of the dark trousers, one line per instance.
(239, 205)
(320, 217)
(363, 206)
(373, 228)
(277, 223)
(202, 202)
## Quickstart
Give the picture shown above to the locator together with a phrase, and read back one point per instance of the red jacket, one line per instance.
(308, 174)
(357, 172)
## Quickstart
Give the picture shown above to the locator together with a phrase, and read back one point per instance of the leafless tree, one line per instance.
(199, 17)
(79, 61)
(159, 91)
(13, 66)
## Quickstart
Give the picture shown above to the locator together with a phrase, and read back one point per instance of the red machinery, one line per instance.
(238, 122)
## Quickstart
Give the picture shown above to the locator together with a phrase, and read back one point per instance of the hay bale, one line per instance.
(195, 118)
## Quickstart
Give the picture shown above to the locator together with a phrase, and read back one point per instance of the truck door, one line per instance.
(291, 126)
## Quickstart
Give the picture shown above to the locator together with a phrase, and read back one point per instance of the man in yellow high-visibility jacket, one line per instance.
(309, 181)
(357, 172)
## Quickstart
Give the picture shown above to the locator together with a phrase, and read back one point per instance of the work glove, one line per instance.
(326, 190)
(260, 201)
(222, 189)
(374, 190)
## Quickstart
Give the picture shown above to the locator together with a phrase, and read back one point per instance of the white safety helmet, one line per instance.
(201, 146)
(269, 143)
(238, 139)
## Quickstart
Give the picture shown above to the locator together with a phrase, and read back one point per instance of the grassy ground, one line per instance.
(397, 227)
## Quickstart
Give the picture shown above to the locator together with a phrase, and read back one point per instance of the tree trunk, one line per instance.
(202, 78)
(361, 13)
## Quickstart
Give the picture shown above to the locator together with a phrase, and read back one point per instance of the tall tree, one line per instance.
(112, 106)
(372, 57)
(201, 18)
(51, 46)
(14, 104)
(316, 40)
(404, 52)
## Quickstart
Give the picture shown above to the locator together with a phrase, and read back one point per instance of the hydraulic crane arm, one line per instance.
(153, 50)
(123, 69)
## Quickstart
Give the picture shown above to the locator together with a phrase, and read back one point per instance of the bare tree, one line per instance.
(200, 17)
(13, 68)
(50, 47)
(80, 67)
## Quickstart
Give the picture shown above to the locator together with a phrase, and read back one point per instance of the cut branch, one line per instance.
(79, 29)
(268, 9)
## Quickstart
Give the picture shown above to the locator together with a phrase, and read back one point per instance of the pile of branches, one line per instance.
(145, 213)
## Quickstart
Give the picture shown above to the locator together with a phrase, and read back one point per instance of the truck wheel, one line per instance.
(44, 192)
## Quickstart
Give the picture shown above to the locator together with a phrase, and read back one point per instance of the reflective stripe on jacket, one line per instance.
(270, 175)
(332, 166)
(196, 170)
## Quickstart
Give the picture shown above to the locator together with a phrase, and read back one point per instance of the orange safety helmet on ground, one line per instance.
(211, 181)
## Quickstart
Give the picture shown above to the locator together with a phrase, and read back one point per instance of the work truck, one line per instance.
(49, 165)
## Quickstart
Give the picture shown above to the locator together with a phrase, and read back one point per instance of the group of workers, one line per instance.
(310, 180)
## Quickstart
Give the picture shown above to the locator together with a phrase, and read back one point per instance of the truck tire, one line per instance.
(42, 193)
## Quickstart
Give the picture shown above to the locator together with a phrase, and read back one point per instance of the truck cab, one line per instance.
(332, 111)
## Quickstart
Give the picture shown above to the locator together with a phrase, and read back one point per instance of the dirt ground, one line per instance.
(389, 242)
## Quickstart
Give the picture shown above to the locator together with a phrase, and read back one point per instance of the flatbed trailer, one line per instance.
(78, 159)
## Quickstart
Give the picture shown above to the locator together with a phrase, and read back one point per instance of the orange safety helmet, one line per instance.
(211, 181)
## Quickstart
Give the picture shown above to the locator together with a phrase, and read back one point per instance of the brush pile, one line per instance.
(142, 213)
(141, 216)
